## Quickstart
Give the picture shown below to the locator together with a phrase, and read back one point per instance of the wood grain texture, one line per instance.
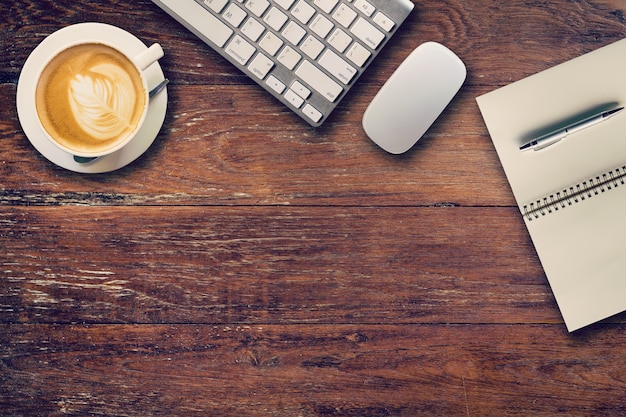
(249, 265)
(270, 265)
(312, 370)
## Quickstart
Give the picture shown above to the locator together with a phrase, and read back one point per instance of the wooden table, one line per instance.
(250, 265)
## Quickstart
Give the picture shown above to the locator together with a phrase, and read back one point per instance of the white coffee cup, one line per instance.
(92, 97)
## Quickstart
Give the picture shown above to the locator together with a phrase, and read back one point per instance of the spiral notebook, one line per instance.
(571, 195)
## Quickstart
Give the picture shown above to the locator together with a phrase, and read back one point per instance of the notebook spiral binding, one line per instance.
(575, 194)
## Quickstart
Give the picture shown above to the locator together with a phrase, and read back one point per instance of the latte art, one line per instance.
(102, 101)
(90, 98)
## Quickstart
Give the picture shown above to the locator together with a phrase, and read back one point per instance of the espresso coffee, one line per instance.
(90, 98)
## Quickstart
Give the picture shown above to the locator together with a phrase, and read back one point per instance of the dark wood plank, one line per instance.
(270, 265)
(310, 370)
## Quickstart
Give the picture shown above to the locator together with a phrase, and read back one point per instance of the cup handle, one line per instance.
(149, 56)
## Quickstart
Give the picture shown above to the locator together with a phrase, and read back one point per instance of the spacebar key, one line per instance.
(202, 22)
(319, 81)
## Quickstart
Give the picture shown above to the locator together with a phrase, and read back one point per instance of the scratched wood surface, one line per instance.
(249, 265)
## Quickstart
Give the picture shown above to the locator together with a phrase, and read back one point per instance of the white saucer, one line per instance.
(26, 105)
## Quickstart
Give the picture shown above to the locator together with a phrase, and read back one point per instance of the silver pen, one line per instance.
(553, 137)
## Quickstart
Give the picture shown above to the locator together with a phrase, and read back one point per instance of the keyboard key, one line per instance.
(261, 66)
(344, 15)
(271, 43)
(275, 84)
(319, 81)
(337, 66)
(234, 15)
(358, 54)
(210, 26)
(285, 4)
(294, 33)
(339, 40)
(216, 5)
(312, 47)
(384, 22)
(289, 57)
(240, 49)
(253, 29)
(303, 12)
(276, 19)
(366, 32)
(294, 99)
(366, 7)
(301, 90)
(312, 113)
(326, 5)
(258, 7)
(321, 26)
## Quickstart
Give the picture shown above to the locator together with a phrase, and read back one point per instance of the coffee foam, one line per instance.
(90, 98)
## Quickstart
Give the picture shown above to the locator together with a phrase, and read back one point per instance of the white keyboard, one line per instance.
(306, 53)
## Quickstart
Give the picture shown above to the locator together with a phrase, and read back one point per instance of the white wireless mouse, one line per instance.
(413, 97)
